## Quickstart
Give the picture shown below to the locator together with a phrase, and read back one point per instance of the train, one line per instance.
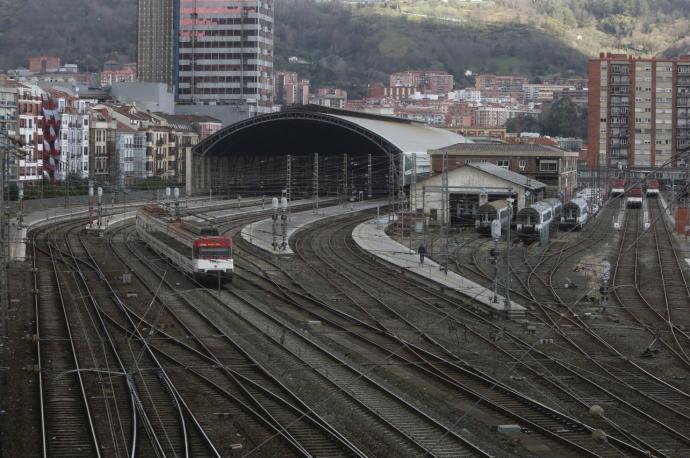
(633, 197)
(575, 214)
(617, 187)
(189, 243)
(652, 188)
(533, 219)
(490, 211)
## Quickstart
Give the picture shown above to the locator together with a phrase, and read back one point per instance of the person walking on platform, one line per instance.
(422, 252)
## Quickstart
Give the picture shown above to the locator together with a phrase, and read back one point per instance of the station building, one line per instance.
(472, 185)
(550, 165)
(312, 149)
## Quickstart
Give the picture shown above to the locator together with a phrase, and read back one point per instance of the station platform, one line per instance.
(371, 237)
(260, 233)
(113, 214)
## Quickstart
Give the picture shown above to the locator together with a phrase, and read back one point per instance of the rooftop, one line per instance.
(505, 174)
(502, 149)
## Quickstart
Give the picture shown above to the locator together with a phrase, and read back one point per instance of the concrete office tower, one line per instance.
(156, 24)
(639, 111)
(225, 53)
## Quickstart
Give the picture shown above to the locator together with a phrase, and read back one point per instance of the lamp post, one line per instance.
(510, 201)
(10, 142)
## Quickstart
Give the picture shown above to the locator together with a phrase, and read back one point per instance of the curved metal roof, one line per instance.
(311, 129)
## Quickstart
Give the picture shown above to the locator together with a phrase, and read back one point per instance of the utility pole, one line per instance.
(345, 176)
(275, 205)
(4, 249)
(316, 182)
(288, 186)
(413, 185)
(369, 194)
(285, 208)
(604, 288)
(443, 258)
(510, 201)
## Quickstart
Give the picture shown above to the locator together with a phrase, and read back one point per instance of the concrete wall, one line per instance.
(153, 97)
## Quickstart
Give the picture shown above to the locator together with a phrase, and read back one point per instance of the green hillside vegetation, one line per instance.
(85, 32)
(352, 47)
(647, 27)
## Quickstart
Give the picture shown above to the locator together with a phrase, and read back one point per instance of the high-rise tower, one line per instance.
(156, 26)
(225, 53)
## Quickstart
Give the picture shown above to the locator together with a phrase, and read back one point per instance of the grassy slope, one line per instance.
(351, 48)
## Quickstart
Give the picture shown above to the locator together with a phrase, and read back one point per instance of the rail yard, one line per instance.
(127, 348)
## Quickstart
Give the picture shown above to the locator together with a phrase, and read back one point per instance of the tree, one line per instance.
(565, 119)
(524, 123)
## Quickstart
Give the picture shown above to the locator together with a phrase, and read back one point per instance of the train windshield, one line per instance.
(207, 252)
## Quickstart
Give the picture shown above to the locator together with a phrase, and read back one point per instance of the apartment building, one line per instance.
(499, 86)
(436, 82)
(638, 111)
(225, 53)
(30, 106)
(103, 163)
(9, 96)
(130, 144)
(290, 89)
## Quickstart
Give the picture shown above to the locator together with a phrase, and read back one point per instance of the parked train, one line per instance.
(490, 211)
(617, 187)
(652, 188)
(633, 197)
(532, 220)
(575, 214)
(190, 243)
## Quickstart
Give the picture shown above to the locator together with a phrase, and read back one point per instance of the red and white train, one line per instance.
(652, 188)
(190, 243)
(617, 187)
(633, 197)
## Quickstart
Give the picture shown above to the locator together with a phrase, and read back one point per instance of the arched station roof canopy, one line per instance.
(315, 129)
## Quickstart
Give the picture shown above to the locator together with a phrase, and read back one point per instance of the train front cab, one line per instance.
(212, 259)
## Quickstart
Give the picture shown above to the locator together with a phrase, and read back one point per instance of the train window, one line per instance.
(209, 231)
(205, 252)
(547, 216)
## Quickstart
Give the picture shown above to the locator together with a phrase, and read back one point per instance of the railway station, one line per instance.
(311, 150)
(248, 311)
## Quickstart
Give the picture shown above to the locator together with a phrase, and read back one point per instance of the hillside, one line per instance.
(86, 32)
(352, 46)
(648, 27)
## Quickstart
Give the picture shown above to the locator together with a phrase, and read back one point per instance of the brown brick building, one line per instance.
(639, 111)
(552, 166)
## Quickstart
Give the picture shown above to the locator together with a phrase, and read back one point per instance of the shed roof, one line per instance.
(319, 128)
(411, 137)
(503, 149)
(513, 177)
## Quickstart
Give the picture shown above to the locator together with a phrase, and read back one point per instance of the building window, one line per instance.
(548, 166)
(522, 164)
(505, 163)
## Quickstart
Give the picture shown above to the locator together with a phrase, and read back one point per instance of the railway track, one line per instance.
(118, 382)
(222, 362)
(650, 390)
(397, 418)
(67, 424)
(366, 318)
